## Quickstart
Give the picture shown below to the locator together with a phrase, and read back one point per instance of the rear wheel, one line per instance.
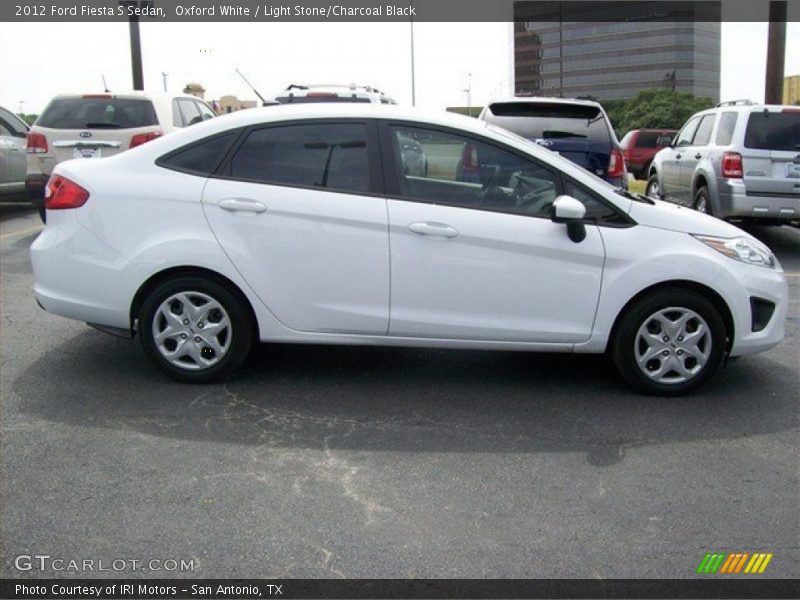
(195, 329)
(43, 214)
(670, 342)
(701, 200)
(653, 188)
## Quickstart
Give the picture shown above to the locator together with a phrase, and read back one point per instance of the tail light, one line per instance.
(62, 193)
(469, 160)
(732, 165)
(35, 143)
(616, 164)
(141, 138)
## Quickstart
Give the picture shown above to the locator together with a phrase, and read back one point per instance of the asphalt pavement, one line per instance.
(377, 462)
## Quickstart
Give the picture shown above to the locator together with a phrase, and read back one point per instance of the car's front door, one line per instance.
(672, 159)
(297, 209)
(483, 261)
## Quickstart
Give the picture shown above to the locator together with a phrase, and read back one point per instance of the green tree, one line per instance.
(28, 118)
(658, 108)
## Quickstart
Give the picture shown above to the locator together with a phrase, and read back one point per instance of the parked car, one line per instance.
(12, 156)
(298, 224)
(308, 94)
(579, 130)
(739, 160)
(100, 125)
(639, 146)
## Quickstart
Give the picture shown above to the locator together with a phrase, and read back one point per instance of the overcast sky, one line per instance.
(38, 61)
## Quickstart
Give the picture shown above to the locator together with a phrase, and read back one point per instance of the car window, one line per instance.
(98, 111)
(769, 130)
(446, 168)
(647, 139)
(549, 120)
(703, 134)
(200, 158)
(626, 140)
(12, 125)
(596, 209)
(177, 118)
(191, 114)
(325, 156)
(687, 133)
(727, 125)
(205, 112)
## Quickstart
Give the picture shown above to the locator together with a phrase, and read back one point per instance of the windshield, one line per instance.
(550, 120)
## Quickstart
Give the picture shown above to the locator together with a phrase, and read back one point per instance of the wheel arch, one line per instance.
(710, 294)
(187, 271)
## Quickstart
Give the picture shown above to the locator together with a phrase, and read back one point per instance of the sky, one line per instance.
(36, 62)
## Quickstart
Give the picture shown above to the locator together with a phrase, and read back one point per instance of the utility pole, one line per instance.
(413, 77)
(164, 77)
(776, 52)
(468, 90)
(136, 43)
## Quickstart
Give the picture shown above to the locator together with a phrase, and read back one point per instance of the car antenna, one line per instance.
(250, 85)
(105, 85)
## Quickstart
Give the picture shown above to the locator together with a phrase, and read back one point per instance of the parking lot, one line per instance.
(377, 462)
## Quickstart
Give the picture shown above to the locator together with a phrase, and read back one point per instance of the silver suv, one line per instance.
(737, 160)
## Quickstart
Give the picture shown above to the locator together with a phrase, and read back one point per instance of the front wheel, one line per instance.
(195, 329)
(669, 343)
(653, 188)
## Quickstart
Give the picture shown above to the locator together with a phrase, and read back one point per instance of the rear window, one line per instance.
(647, 139)
(542, 120)
(97, 112)
(773, 131)
(315, 99)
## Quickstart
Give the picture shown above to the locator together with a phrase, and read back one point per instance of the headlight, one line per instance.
(740, 248)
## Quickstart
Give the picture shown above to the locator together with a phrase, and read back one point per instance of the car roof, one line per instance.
(322, 110)
(127, 94)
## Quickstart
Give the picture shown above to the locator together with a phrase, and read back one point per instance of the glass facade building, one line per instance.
(614, 59)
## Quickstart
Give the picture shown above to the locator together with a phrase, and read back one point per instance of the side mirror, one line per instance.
(571, 211)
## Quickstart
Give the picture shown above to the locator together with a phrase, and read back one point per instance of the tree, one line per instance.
(658, 108)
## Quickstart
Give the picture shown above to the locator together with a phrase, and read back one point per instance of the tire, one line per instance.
(42, 214)
(218, 319)
(674, 360)
(700, 203)
(653, 188)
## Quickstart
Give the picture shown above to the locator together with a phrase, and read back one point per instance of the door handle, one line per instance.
(439, 229)
(698, 156)
(242, 205)
(677, 156)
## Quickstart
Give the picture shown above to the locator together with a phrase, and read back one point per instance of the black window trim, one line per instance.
(392, 183)
(162, 160)
(693, 144)
(375, 171)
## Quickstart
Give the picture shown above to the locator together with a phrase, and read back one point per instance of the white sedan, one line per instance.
(301, 224)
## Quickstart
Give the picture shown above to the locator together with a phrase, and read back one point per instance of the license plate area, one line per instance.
(86, 152)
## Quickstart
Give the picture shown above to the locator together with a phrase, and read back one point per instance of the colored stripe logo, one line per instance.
(734, 562)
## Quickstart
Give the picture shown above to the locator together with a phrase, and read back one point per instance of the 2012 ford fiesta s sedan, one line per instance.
(304, 224)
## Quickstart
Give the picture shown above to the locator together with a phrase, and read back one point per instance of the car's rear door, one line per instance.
(483, 261)
(298, 209)
(672, 157)
(696, 151)
(771, 155)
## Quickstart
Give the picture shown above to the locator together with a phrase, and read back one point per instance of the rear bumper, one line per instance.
(734, 201)
(34, 188)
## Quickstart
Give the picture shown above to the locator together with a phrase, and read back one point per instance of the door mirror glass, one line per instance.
(567, 208)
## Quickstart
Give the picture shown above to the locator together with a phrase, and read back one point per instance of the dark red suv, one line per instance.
(639, 146)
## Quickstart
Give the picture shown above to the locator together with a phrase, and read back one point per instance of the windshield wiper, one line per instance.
(102, 125)
(634, 196)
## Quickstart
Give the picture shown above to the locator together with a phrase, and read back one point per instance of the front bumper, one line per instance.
(753, 334)
(734, 201)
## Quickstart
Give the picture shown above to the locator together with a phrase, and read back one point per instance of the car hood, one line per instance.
(665, 215)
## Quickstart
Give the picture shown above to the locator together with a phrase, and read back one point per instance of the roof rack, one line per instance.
(352, 86)
(743, 102)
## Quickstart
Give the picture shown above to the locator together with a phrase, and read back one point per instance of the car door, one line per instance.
(297, 208)
(671, 160)
(13, 159)
(483, 261)
(693, 154)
